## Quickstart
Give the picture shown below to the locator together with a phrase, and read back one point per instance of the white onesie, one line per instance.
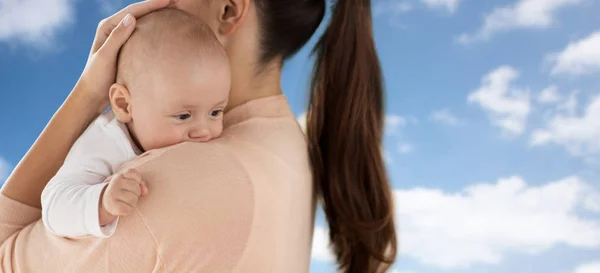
(71, 200)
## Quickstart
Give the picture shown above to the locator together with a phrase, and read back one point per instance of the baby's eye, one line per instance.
(216, 113)
(183, 116)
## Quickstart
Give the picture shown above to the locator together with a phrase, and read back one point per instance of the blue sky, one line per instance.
(492, 131)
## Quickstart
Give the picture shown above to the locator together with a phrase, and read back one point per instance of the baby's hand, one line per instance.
(121, 195)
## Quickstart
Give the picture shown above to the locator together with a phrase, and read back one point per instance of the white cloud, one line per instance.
(302, 121)
(393, 124)
(507, 105)
(320, 247)
(549, 95)
(525, 14)
(393, 127)
(450, 5)
(593, 267)
(592, 202)
(485, 222)
(4, 169)
(579, 58)
(34, 22)
(569, 104)
(446, 117)
(580, 135)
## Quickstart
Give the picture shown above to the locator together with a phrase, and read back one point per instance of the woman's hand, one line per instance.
(101, 67)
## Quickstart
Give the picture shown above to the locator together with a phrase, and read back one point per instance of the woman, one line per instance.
(245, 202)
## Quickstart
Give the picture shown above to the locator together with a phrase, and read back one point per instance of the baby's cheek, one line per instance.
(172, 137)
(217, 130)
(163, 138)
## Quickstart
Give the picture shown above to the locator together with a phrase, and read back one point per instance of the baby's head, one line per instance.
(173, 81)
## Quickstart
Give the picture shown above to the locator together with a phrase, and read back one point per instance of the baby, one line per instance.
(173, 83)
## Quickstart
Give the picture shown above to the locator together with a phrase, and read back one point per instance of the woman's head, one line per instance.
(345, 115)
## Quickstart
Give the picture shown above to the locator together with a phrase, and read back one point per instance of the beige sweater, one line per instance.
(242, 203)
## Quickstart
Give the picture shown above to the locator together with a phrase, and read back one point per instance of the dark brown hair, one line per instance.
(345, 123)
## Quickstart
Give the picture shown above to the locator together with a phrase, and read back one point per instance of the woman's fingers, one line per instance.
(106, 26)
(117, 37)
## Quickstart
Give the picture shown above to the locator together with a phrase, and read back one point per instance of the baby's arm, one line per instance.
(71, 201)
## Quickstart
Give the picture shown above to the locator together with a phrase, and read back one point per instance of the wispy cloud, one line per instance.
(394, 127)
(405, 148)
(508, 106)
(524, 14)
(579, 57)
(392, 7)
(393, 124)
(396, 271)
(450, 5)
(34, 22)
(387, 157)
(568, 105)
(444, 116)
(549, 95)
(485, 222)
(579, 134)
(392, 10)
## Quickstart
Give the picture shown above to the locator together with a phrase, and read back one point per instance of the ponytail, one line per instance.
(345, 127)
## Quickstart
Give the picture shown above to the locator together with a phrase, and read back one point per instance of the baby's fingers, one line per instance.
(128, 198)
(131, 186)
(144, 188)
(132, 174)
(121, 209)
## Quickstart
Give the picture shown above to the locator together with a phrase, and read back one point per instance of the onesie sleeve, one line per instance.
(71, 200)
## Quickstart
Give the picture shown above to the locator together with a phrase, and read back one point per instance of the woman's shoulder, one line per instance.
(281, 138)
(200, 202)
(211, 195)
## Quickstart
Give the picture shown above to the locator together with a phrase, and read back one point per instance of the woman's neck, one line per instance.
(247, 84)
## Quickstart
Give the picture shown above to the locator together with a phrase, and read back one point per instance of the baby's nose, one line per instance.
(200, 134)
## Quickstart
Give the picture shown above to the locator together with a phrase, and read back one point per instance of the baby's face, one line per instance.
(182, 100)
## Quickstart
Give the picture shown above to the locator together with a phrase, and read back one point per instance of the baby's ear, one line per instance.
(120, 102)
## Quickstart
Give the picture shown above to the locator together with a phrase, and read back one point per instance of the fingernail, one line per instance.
(127, 20)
